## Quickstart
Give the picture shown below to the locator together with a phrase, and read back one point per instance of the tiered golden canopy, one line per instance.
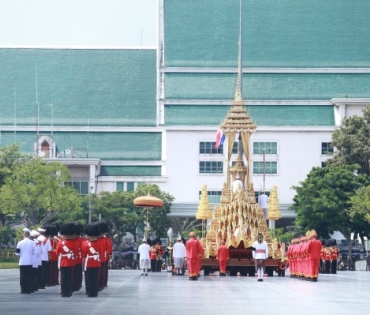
(274, 212)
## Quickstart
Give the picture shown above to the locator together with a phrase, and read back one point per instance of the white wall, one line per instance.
(298, 152)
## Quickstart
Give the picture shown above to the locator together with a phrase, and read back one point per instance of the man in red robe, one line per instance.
(222, 257)
(314, 252)
(194, 250)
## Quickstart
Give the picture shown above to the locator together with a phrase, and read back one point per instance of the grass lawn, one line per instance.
(8, 265)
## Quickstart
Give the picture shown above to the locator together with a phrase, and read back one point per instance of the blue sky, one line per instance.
(78, 23)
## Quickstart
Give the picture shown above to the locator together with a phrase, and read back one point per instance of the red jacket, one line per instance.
(91, 254)
(53, 253)
(153, 254)
(108, 245)
(66, 253)
(222, 253)
(314, 249)
(102, 248)
(194, 249)
(334, 253)
(79, 241)
(159, 249)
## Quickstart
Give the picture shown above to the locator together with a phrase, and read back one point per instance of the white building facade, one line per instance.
(121, 117)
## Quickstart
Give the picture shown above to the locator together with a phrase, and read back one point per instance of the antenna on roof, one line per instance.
(15, 113)
(88, 135)
(239, 81)
(37, 113)
(240, 50)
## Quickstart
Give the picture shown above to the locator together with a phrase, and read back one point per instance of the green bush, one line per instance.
(8, 265)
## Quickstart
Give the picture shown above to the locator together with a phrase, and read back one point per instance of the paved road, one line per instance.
(162, 294)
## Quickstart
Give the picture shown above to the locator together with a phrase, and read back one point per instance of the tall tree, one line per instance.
(360, 211)
(352, 142)
(9, 157)
(322, 201)
(36, 191)
(120, 213)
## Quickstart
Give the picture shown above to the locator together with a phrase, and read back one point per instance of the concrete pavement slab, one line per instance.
(163, 294)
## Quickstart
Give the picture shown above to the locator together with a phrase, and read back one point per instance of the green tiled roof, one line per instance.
(267, 86)
(106, 146)
(130, 171)
(279, 33)
(101, 87)
(274, 115)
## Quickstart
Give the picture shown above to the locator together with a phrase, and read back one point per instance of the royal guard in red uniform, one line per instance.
(103, 255)
(327, 258)
(334, 253)
(66, 258)
(109, 251)
(222, 257)
(77, 272)
(322, 257)
(53, 257)
(160, 252)
(153, 258)
(194, 250)
(314, 251)
(91, 258)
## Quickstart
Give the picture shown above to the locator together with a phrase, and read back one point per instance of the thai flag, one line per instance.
(220, 138)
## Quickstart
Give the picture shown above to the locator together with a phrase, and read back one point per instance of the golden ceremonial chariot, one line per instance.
(238, 218)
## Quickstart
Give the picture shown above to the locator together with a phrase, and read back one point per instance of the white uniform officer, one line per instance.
(260, 254)
(36, 261)
(45, 248)
(179, 253)
(143, 250)
(25, 250)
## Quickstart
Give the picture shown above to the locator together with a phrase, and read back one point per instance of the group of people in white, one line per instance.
(178, 254)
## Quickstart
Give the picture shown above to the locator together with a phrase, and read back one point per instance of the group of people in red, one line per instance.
(304, 255)
(195, 252)
(77, 254)
(329, 257)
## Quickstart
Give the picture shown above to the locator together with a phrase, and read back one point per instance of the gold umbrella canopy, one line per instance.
(148, 201)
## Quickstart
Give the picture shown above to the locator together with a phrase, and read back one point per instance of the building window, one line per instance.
(125, 186)
(271, 167)
(209, 148)
(323, 164)
(213, 196)
(212, 167)
(81, 187)
(326, 148)
(269, 147)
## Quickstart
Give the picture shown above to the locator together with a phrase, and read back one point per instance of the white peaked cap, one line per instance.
(41, 230)
(34, 233)
(26, 230)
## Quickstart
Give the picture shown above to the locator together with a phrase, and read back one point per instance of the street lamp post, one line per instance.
(91, 188)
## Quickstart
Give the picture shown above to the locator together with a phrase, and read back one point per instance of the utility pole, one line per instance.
(90, 191)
